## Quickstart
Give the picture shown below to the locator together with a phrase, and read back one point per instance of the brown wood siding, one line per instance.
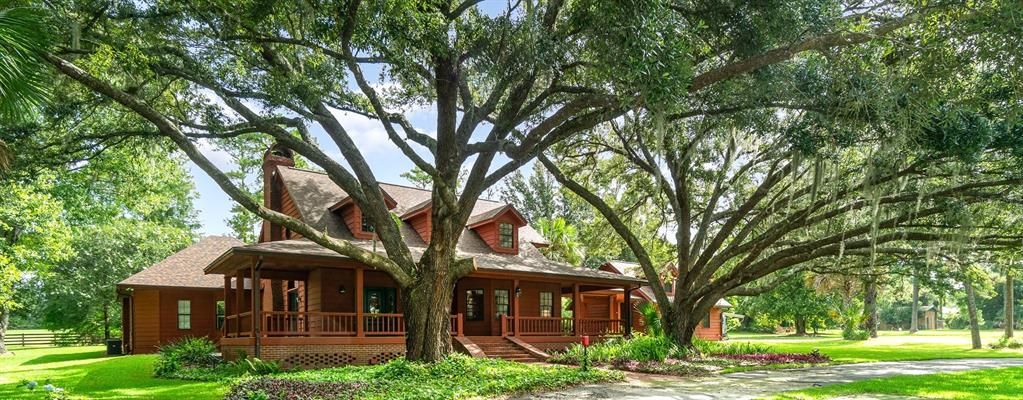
(529, 302)
(288, 207)
(422, 224)
(714, 331)
(490, 234)
(596, 306)
(146, 320)
(203, 309)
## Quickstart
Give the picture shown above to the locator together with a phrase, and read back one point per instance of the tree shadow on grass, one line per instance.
(55, 358)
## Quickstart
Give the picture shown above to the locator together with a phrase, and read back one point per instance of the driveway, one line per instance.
(750, 385)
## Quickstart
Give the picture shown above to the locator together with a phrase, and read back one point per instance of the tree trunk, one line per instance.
(971, 303)
(800, 325)
(427, 310)
(914, 322)
(106, 322)
(4, 320)
(681, 330)
(1009, 310)
(870, 317)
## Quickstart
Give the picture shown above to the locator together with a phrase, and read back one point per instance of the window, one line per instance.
(501, 301)
(474, 305)
(377, 300)
(220, 314)
(184, 314)
(506, 235)
(366, 225)
(706, 321)
(293, 298)
(546, 304)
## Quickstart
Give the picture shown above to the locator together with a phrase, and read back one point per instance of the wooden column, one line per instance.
(359, 328)
(515, 308)
(628, 312)
(239, 296)
(257, 308)
(577, 302)
(227, 303)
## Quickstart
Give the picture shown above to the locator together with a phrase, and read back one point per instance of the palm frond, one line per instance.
(23, 74)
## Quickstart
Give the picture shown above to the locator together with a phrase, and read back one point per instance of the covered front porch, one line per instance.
(308, 304)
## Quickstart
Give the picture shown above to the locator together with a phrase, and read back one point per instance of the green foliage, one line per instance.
(457, 376)
(24, 77)
(792, 300)
(639, 348)
(255, 366)
(563, 238)
(1007, 343)
(732, 348)
(651, 319)
(188, 352)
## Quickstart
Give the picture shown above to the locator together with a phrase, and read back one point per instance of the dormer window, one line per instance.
(499, 228)
(506, 235)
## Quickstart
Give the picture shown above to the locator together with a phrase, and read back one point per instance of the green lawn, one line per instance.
(890, 346)
(85, 372)
(1001, 383)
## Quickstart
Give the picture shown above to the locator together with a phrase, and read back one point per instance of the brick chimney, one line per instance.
(276, 155)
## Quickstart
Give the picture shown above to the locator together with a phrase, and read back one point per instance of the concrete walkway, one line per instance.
(751, 385)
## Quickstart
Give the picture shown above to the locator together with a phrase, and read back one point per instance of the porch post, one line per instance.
(628, 312)
(359, 329)
(257, 308)
(577, 301)
(239, 294)
(515, 308)
(227, 303)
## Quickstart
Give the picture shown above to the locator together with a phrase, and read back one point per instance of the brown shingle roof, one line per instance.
(527, 261)
(185, 268)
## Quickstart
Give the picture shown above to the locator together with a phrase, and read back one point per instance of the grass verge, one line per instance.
(86, 372)
(997, 384)
(890, 346)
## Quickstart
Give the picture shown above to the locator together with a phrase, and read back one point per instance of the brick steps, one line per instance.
(504, 349)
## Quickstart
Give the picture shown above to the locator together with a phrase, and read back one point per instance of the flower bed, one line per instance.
(656, 355)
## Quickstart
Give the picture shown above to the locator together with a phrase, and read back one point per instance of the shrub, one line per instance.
(851, 333)
(189, 352)
(651, 319)
(718, 348)
(288, 389)
(254, 366)
(639, 348)
(455, 377)
(1007, 343)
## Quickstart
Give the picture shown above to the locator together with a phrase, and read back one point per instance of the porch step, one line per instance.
(504, 349)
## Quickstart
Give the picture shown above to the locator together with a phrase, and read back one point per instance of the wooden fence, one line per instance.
(47, 339)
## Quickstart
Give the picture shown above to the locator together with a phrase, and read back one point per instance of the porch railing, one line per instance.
(292, 323)
(555, 326)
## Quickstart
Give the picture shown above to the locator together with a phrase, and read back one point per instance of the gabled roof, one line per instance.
(185, 268)
(314, 193)
(529, 263)
(488, 216)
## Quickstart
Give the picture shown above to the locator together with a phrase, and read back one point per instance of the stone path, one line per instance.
(754, 384)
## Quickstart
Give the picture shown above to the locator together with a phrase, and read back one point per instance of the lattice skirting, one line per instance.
(321, 356)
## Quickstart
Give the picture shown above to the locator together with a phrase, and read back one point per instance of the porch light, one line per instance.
(342, 289)
(518, 292)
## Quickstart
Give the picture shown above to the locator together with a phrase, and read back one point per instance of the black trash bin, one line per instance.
(113, 347)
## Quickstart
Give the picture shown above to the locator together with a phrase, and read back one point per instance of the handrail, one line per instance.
(560, 326)
(318, 323)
